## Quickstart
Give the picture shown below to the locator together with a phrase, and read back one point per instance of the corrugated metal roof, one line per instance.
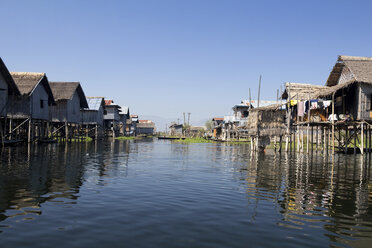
(94, 103)
(125, 109)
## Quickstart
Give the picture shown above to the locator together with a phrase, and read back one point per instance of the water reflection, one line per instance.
(146, 192)
(33, 175)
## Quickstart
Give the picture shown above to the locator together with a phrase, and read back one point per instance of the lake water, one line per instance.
(153, 193)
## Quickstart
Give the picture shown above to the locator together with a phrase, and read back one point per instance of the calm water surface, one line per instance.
(162, 194)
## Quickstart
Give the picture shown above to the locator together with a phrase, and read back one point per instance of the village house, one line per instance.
(112, 118)
(92, 117)
(175, 129)
(134, 122)
(32, 106)
(145, 127)
(70, 101)
(124, 116)
(8, 89)
(350, 85)
(217, 123)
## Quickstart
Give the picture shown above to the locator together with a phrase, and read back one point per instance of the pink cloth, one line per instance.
(300, 108)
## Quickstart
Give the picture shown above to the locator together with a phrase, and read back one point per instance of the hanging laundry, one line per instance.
(293, 102)
(320, 104)
(326, 104)
(300, 108)
(314, 104)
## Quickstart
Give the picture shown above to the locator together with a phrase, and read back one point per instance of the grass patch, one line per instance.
(126, 138)
(194, 140)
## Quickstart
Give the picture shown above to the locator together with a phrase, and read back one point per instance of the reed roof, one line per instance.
(66, 90)
(359, 67)
(28, 81)
(301, 91)
(12, 87)
(272, 107)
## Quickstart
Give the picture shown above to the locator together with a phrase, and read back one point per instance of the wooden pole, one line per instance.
(333, 124)
(29, 131)
(362, 138)
(369, 136)
(346, 137)
(355, 136)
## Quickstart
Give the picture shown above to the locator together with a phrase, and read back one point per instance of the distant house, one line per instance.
(112, 117)
(176, 129)
(93, 115)
(36, 97)
(217, 127)
(145, 127)
(124, 117)
(8, 88)
(134, 119)
(70, 100)
(197, 131)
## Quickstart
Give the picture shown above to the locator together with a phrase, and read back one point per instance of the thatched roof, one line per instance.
(28, 81)
(12, 87)
(301, 91)
(330, 90)
(360, 69)
(272, 107)
(66, 90)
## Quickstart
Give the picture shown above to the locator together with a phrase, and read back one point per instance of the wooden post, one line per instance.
(317, 138)
(369, 136)
(362, 138)
(346, 137)
(298, 139)
(280, 143)
(312, 138)
(355, 138)
(333, 124)
(29, 131)
(66, 131)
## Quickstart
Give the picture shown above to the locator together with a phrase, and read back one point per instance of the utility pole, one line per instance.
(188, 120)
(184, 119)
(250, 99)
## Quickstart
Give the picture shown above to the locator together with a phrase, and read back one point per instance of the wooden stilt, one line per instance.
(280, 143)
(29, 131)
(362, 138)
(346, 138)
(355, 139)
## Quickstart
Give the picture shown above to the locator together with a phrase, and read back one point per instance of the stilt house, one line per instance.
(36, 97)
(145, 127)
(112, 117)
(350, 85)
(94, 114)
(70, 100)
(124, 116)
(7, 88)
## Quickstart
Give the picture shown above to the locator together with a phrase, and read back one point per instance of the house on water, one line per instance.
(92, 117)
(8, 89)
(112, 118)
(32, 106)
(70, 101)
(145, 127)
(134, 120)
(124, 117)
(175, 129)
(350, 84)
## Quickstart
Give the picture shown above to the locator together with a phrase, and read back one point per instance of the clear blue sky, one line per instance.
(164, 58)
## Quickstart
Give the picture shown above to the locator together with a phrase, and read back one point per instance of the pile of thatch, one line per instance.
(266, 121)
